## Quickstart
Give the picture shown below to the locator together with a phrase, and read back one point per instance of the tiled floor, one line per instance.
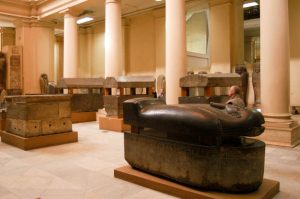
(85, 169)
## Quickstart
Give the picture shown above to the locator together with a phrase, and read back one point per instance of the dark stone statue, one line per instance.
(44, 84)
(200, 145)
(242, 71)
(256, 82)
(2, 71)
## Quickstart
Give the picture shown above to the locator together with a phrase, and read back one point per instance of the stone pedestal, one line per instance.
(281, 132)
(88, 99)
(34, 121)
(267, 190)
(118, 90)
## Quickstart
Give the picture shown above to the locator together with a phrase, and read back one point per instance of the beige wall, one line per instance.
(294, 7)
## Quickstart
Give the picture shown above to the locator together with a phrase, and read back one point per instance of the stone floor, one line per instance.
(85, 169)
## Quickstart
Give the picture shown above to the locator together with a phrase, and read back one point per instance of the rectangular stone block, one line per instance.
(24, 128)
(38, 115)
(86, 102)
(60, 125)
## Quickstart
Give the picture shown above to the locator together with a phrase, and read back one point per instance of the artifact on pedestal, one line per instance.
(44, 84)
(14, 69)
(34, 121)
(125, 87)
(242, 71)
(256, 83)
(198, 145)
(87, 97)
(207, 82)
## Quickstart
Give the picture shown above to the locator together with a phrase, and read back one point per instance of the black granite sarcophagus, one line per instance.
(201, 145)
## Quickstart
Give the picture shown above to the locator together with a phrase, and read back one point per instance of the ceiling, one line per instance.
(97, 8)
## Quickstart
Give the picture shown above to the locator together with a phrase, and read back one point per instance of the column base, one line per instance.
(281, 132)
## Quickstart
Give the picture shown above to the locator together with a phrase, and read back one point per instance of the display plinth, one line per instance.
(267, 190)
(281, 132)
(38, 141)
(112, 124)
(78, 117)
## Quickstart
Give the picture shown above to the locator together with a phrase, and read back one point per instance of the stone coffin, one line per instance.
(90, 101)
(113, 102)
(36, 115)
(209, 82)
(197, 145)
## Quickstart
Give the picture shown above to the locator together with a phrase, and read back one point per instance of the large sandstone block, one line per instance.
(35, 115)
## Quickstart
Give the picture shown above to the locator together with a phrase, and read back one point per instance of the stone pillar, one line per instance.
(70, 46)
(226, 34)
(113, 38)
(275, 73)
(175, 48)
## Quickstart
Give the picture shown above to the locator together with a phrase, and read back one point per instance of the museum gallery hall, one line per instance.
(195, 99)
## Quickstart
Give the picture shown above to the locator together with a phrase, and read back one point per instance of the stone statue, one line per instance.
(2, 71)
(200, 145)
(242, 71)
(44, 84)
(256, 82)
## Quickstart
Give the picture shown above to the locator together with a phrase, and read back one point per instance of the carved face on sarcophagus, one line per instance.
(198, 145)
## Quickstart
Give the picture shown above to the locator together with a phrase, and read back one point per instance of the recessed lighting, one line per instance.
(84, 20)
(251, 4)
(158, 0)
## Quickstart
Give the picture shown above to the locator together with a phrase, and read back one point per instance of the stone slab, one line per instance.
(39, 141)
(81, 83)
(78, 117)
(267, 190)
(211, 80)
(113, 124)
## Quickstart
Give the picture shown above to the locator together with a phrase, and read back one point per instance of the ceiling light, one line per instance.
(84, 20)
(158, 0)
(251, 4)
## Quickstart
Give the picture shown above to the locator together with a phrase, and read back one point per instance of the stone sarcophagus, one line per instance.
(33, 121)
(120, 89)
(89, 95)
(202, 88)
(204, 146)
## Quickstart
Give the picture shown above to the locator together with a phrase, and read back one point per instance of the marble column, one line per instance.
(175, 48)
(275, 74)
(113, 38)
(70, 46)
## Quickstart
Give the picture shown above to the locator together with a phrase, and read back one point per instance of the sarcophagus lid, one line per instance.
(81, 83)
(211, 80)
(129, 82)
